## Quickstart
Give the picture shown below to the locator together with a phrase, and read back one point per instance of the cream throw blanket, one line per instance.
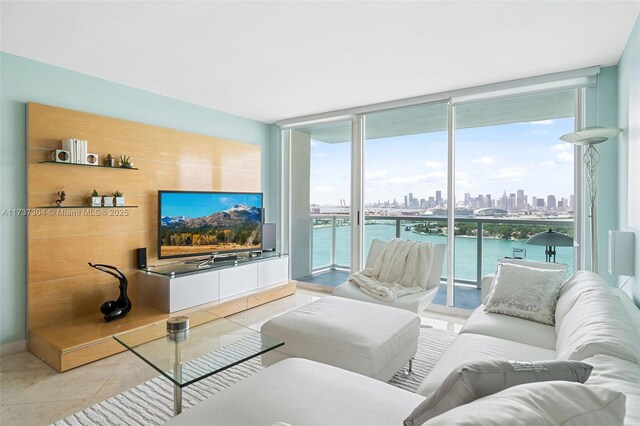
(402, 268)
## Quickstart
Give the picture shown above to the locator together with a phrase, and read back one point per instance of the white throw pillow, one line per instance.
(476, 380)
(525, 292)
(545, 403)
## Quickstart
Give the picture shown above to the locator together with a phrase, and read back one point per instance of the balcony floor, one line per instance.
(466, 297)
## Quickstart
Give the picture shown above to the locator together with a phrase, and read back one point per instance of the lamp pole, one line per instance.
(591, 136)
(591, 159)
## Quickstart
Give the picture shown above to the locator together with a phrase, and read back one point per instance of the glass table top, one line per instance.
(211, 345)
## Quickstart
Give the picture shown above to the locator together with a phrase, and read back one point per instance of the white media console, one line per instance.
(172, 288)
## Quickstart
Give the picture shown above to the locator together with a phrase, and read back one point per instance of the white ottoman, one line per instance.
(362, 337)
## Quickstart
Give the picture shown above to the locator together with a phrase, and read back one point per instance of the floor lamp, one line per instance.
(590, 137)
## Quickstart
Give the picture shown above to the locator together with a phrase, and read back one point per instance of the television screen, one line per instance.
(197, 223)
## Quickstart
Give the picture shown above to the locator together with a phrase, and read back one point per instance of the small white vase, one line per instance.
(107, 201)
(96, 201)
(120, 201)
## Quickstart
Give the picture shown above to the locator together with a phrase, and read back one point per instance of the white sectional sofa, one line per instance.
(594, 324)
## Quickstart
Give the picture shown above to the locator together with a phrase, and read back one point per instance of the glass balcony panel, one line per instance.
(321, 242)
(343, 239)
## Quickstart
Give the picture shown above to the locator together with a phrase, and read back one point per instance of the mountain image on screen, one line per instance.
(236, 228)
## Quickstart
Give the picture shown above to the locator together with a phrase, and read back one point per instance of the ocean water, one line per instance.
(492, 249)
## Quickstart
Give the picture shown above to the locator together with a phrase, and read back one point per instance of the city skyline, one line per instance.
(518, 200)
(488, 161)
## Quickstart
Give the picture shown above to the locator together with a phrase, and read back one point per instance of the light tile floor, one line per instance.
(32, 393)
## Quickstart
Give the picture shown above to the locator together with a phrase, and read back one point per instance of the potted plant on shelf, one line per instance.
(96, 199)
(107, 200)
(125, 161)
(119, 198)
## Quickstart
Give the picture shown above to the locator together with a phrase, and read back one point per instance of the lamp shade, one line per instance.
(591, 135)
(550, 238)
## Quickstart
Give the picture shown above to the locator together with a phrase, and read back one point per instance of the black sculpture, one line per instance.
(113, 309)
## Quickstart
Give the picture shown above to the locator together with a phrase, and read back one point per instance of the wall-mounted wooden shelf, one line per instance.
(88, 165)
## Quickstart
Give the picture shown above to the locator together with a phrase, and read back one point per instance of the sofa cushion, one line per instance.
(595, 323)
(475, 347)
(578, 283)
(621, 375)
(476, 380)
(629, 307)
(303, 392)
(525, 292)
(511, 328)
(545, 403)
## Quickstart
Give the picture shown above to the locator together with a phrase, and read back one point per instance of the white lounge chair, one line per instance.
(415, 302)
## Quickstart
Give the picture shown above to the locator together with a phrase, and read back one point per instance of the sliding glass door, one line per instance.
(513, 179)
(405, 176)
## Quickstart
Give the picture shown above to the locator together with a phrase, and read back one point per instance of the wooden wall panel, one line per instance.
(61, 286)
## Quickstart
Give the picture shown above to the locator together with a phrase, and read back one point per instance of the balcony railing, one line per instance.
(476, 254)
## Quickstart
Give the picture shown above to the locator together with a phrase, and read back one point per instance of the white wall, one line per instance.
(629, 121)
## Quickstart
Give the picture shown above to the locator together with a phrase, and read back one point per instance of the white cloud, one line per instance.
(543, 122)
(540, 132)
(548, 163)
(486, 160)
(562, 147)
(564, 157)
(377, 174)
(414, 179)
(509, 173)
(321, 155)
(433, 164)
(323, 189)
(314, 143)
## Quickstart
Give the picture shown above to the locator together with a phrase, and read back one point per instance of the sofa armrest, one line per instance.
(487, 282)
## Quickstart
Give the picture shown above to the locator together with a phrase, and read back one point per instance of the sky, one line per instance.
(489, 160)
(199, 204)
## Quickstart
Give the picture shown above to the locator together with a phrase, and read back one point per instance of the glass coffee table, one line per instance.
(210, 345)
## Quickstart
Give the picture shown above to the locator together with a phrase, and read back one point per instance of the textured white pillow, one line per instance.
(476, 380)
(545, 403)
(525, 292)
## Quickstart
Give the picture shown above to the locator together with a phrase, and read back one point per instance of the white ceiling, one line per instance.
(271, 60)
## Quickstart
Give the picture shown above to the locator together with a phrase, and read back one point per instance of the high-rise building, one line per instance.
(534, 202)
(540, 202)
(406, 201)
(520, 199)
(488, 200)
(438, 198)
(551, 202)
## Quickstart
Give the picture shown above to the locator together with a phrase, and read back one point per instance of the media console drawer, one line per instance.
(169, 293)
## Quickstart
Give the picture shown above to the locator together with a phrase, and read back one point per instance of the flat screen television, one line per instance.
(205, 223)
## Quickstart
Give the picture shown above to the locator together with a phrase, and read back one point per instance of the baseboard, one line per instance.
(13, 347)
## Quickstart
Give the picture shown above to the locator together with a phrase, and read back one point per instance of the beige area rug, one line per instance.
(151, 403)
